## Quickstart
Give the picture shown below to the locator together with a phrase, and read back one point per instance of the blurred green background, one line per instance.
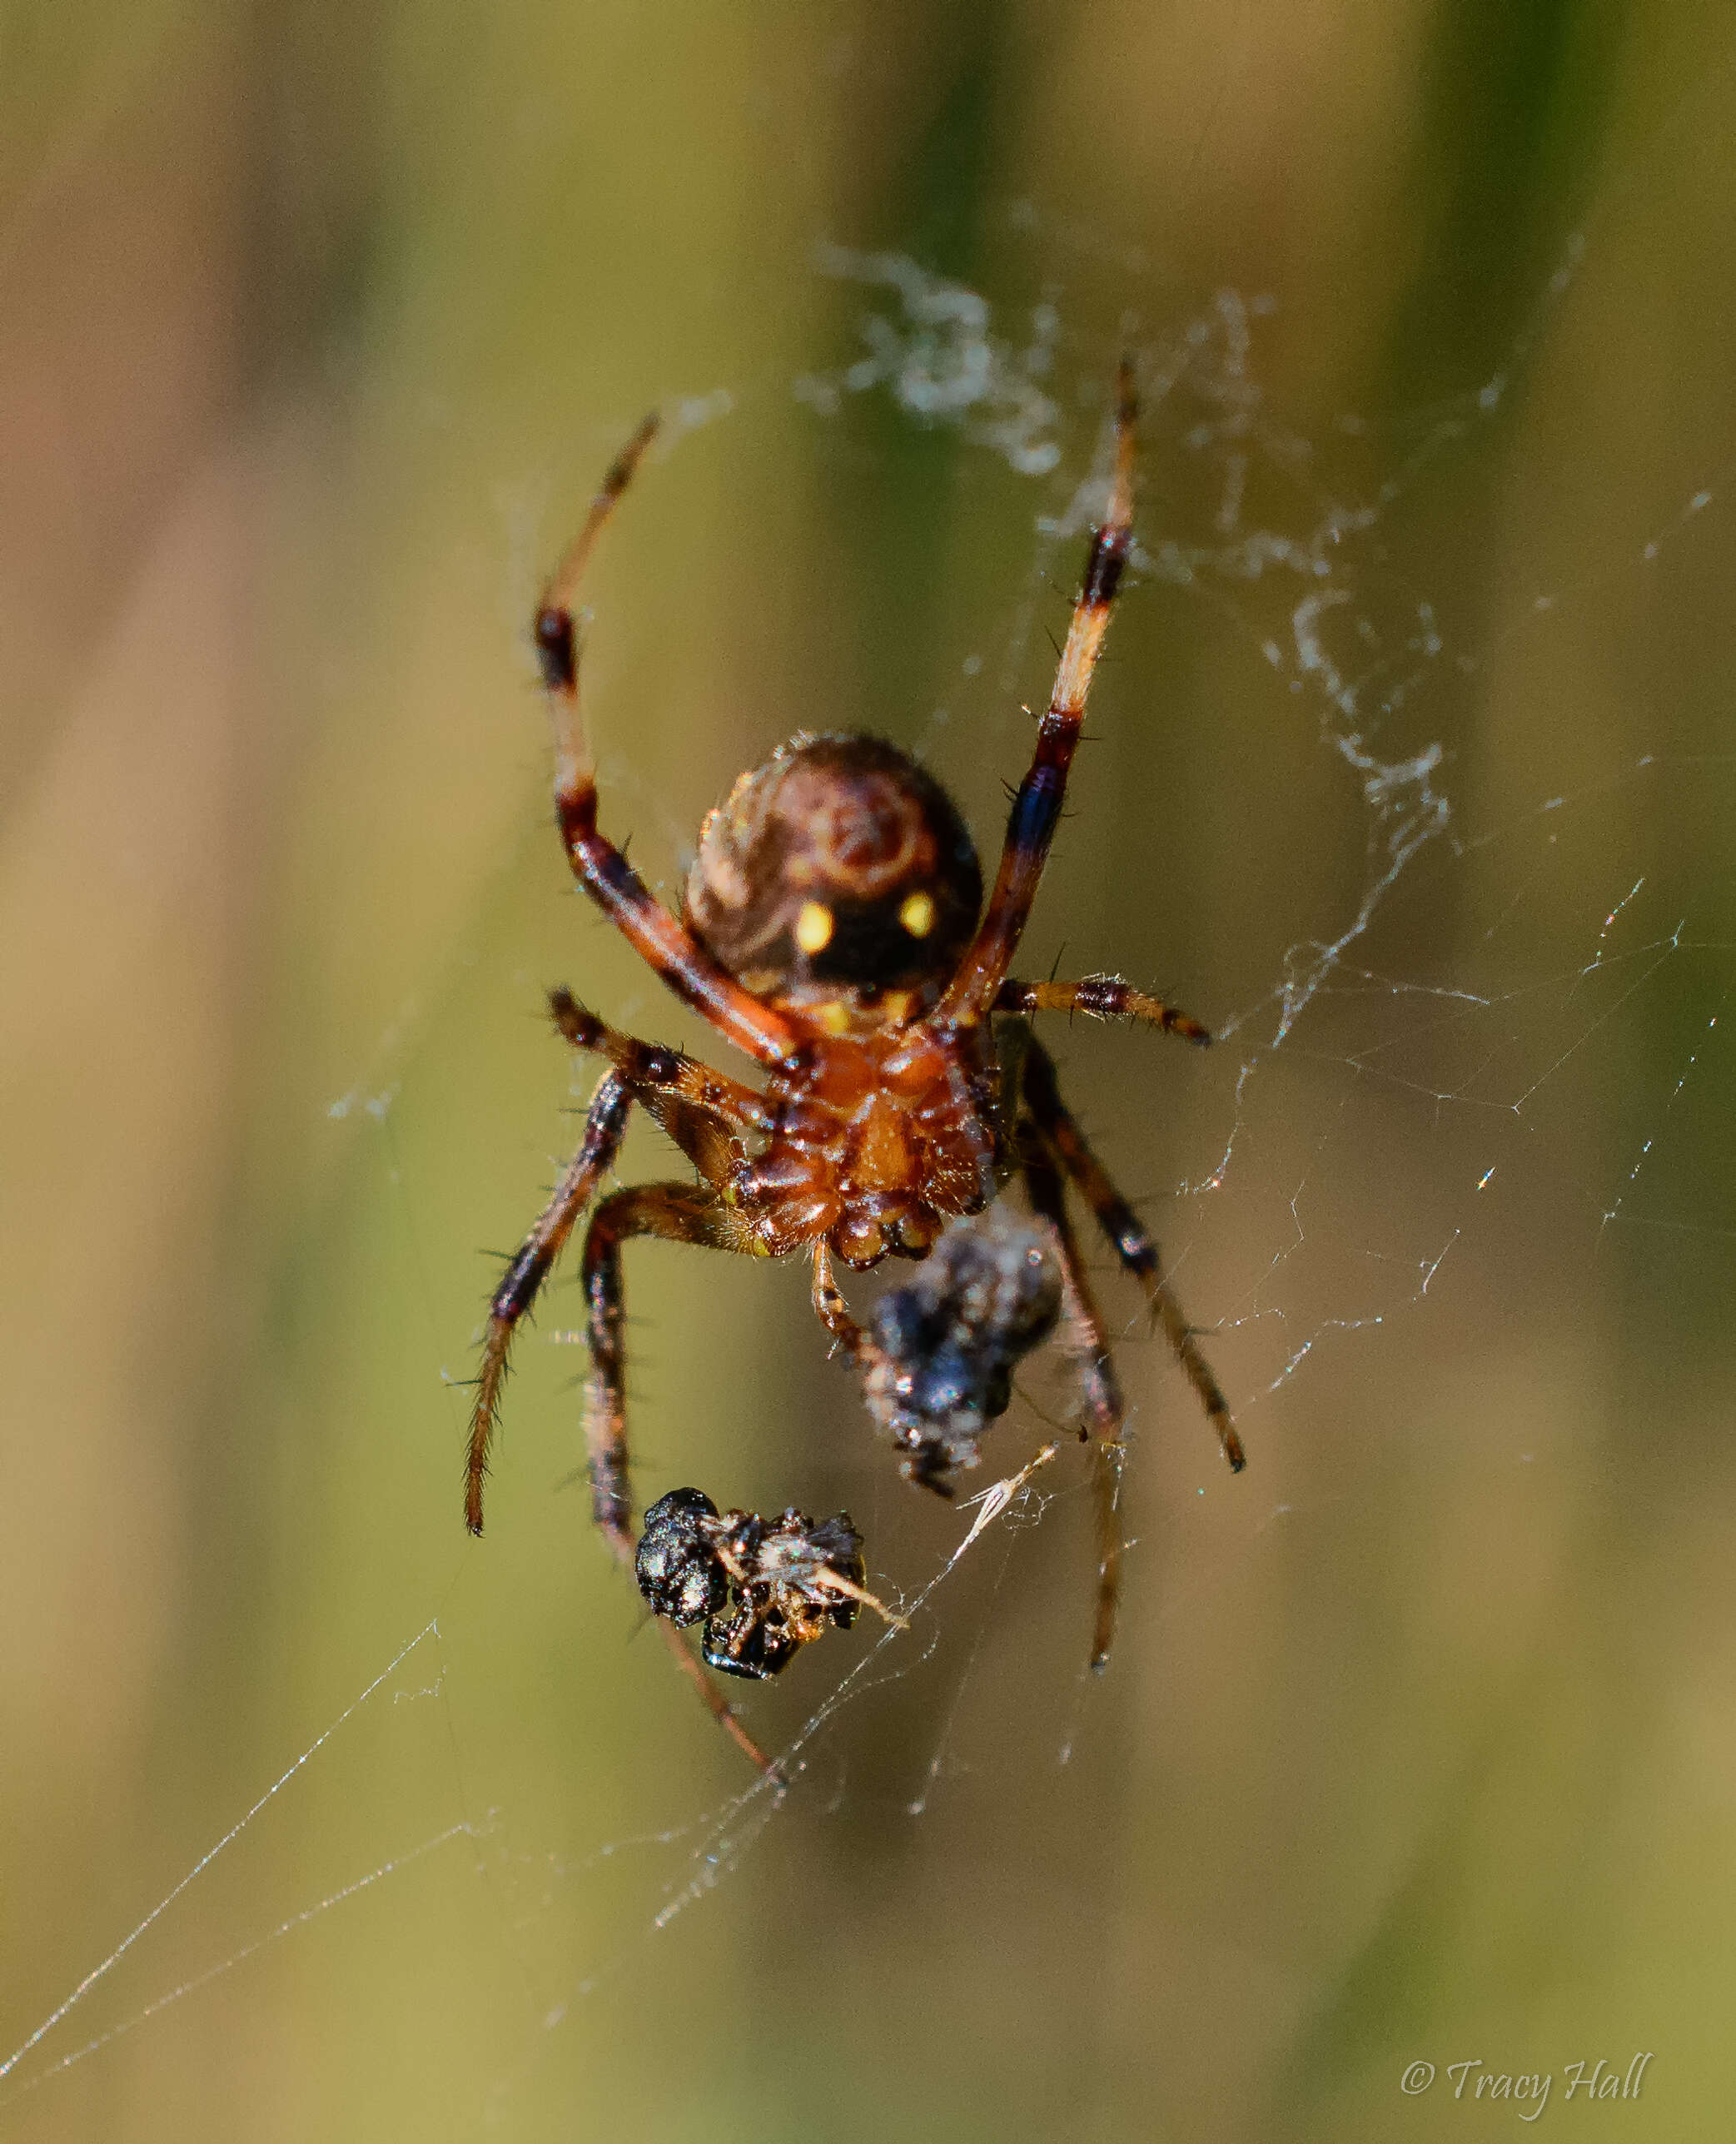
(316, 325)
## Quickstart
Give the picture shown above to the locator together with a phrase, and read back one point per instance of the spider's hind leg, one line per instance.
(1087, 1340)
(1051, 1151)
(605, 1125)
(1134, 1245)
(679, 1213)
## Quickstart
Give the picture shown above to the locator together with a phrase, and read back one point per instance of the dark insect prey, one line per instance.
(763, 1588)
(949, 1340)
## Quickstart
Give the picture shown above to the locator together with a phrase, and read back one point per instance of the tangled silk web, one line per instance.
(1273, 535)
(940, 358)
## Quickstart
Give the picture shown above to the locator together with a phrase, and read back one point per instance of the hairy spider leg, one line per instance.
(1134, 1245)
(1036, 803)
(1088, 1340)
(717, 1704)
(679, 1213)
(701, 1111)
(649, 1067)
(599, 867)
(1104, 997)
(705, 1114)
(605, 1124)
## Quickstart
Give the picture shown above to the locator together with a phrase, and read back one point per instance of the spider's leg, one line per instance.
(1087, 1340)
(604, 1124)
(708, 1116)
(717, 1704)
(679, 1213)
(704, 1114)
(1037, 803)
(659, 1076)
(1104, 997)
(1133, 1241)
(599, 867)
(835, 1313)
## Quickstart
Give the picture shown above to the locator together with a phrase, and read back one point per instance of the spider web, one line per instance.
(1359, 1173)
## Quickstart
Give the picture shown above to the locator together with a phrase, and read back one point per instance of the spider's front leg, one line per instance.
(1037, 801)
(1052, 1150)
(658, 937)
(707, 1114)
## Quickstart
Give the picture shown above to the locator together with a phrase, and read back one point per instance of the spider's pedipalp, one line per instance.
(1102, 997)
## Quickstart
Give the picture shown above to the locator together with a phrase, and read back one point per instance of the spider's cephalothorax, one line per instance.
(831, 931)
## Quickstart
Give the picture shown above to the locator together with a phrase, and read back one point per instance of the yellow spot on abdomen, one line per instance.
(917, 915)
(813, 926)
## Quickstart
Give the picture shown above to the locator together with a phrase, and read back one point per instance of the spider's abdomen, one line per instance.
(835, 878)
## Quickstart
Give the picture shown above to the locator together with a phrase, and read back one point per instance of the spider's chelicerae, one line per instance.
(833, 930)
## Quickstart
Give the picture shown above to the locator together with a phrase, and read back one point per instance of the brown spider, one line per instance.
(831, 931)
